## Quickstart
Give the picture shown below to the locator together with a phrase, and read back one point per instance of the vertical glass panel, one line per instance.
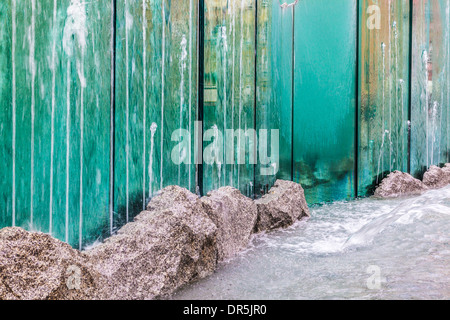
(58, 112)
(229, 93)
(324, 100)
(429, 119)
(274, 91)
(6, 115)
(95, 131)
(156, 98)
(384, 91)
(179, 105)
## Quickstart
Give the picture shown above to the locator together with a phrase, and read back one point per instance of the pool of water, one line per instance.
(364, 249)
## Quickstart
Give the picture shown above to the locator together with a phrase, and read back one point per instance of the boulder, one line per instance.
(281, 207)
(234, 216)
(160, 251)
(36, 266)
(436, 177)
(398, 184)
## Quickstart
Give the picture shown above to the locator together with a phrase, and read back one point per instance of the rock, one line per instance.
(281, 207)
(398, 184)
(36, 266)
(161, 250)
(234, 216)
(436, 177)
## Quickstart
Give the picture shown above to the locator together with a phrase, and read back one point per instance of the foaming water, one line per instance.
(364, 249)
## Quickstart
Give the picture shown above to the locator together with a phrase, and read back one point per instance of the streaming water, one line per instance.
(365, 249)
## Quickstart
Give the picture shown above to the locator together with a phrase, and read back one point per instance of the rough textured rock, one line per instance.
(398, 184)
(281, 207)
(234, 215)
(36, 266)
(436, 177)
(161, 250)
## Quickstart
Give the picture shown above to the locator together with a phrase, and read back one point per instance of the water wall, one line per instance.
(104, 103)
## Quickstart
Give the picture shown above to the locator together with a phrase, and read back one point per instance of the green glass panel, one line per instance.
(274, 91)
(59, 114)
(6, 116)
(384, 91)
(156, 94)
(430, 91)
(324, 101)
(229, 92)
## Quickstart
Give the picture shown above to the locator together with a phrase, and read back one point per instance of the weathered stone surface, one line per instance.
(234, 215)
(281, 207)
(161, 250)
(36, 266)
(398, 184)
(436, 177)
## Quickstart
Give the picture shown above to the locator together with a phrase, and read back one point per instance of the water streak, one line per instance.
(190, 80)
(240, 90)
(224, 64)
(425, 64)
(32, 65)
(52, 143)
(183, 45)
(129, 25)
(68, 107)
(13, 54)
(163, 59)
(233, 79)
(153, 128)
(383, 130)
(144, 98)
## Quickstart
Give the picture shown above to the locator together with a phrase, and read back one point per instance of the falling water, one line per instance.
(448, 78)
(75, 28)
(425, 63)
(190, 79)
(401, 82)
(224, 64)
(240, 88)
(32, 65)
(67, 150)
(163, 58)
(144, 96)
(13, 54)
(233, 79)
(440, 118)
(52, 143)
(112, 117)
(153, 128)
(181, 154)
(434, 112)
(390, 86)
(129, 25)
(397, 156)
(217, 153)
(383, 130)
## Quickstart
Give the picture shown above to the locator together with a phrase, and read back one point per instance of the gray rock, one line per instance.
(36, 266)
(436, 177)
(281, 207)
(161, 250)
(234, 215)
(398, 184)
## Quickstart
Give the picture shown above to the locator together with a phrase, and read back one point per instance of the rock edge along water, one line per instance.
(398, 184)
(180, 238)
